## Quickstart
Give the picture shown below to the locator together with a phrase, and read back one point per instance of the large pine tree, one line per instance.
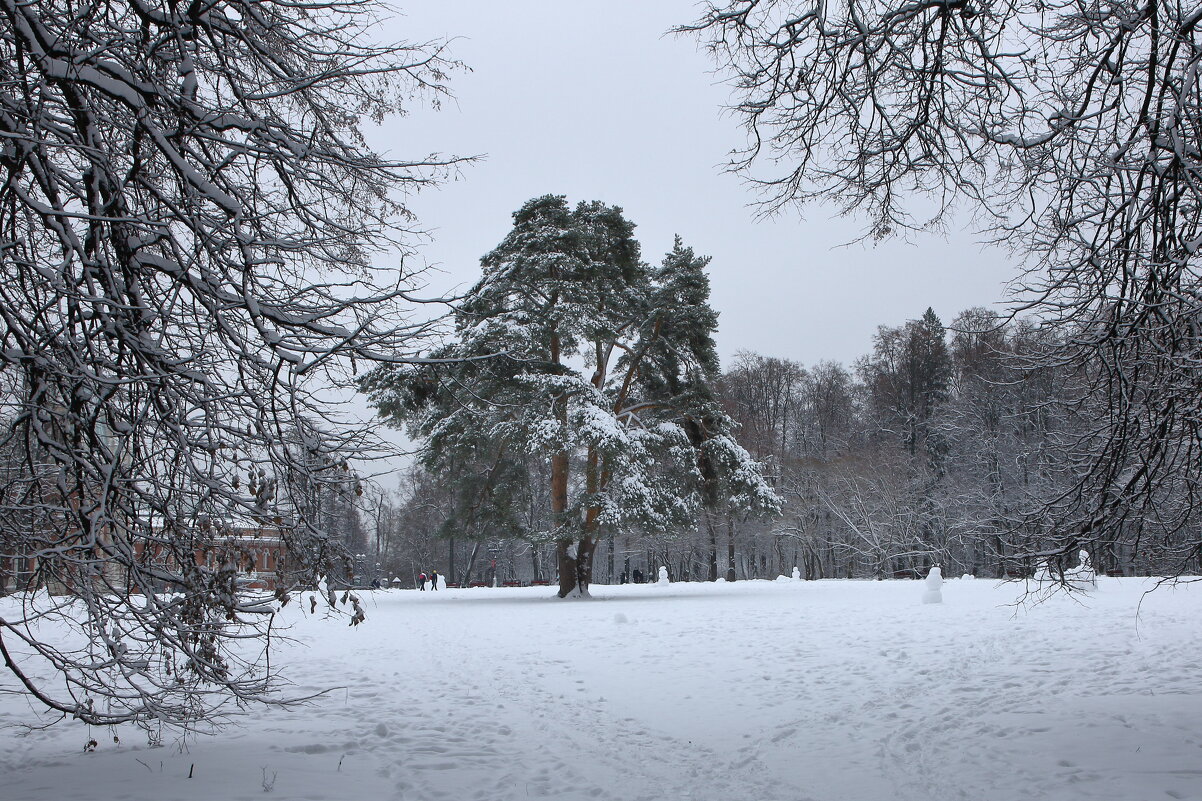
(572, 348)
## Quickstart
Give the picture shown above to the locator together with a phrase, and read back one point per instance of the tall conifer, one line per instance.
(571, 348)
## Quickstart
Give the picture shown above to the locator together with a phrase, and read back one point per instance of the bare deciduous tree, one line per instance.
(1073, 132)
(188, 216)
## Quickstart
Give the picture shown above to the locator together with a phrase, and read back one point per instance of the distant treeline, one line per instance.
(951, 445)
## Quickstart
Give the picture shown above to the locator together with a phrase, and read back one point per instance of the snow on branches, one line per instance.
(1070, 132)
(187, 220)
(572, 349)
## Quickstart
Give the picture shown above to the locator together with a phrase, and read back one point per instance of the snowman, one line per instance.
(1082, 577)
(934, 586)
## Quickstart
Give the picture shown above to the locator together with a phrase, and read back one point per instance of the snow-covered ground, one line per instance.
(755, 690)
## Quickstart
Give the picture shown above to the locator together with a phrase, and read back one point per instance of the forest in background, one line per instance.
(944, 445)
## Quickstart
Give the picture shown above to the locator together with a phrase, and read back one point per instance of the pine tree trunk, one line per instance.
(567, 567)
(584, 563)
(575, 571)
(559, 505)
(559, 491)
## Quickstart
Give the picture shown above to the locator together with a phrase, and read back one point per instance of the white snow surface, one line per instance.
(755, 690)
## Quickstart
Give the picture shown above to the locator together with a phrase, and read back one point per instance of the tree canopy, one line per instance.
(572, 348)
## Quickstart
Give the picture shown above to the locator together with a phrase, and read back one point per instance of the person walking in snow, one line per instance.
(433, 579)
(421, 581)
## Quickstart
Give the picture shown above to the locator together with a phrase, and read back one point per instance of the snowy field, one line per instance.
(830, 690)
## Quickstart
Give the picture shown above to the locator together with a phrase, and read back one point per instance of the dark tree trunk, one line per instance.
(559, 491)
(465, 579)
(559, 504)
(730, 549)
(567, 567)
(713, 542)
(584, 563)
(610, 543)
(575, 572)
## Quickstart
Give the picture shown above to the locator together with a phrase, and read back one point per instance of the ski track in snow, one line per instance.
(789, 691)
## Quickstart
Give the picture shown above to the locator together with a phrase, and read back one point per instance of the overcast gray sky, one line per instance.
(590, 99)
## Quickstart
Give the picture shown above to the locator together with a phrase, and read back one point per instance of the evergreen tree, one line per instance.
(567, 289)
(907, 378)
(931, 363)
